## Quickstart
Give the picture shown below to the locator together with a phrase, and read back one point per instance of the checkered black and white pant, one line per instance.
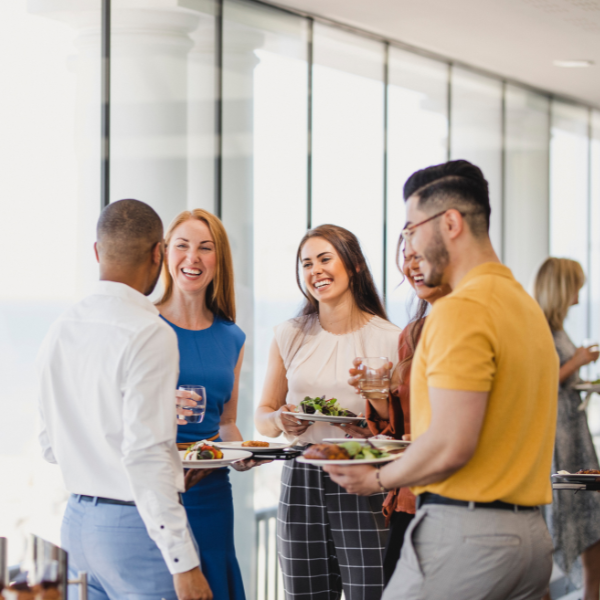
(328, 540)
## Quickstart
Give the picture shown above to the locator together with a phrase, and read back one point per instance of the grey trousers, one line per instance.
(453, 553)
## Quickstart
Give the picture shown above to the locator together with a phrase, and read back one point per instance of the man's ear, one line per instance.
(96, 252)
(157, 253)
(454, 222)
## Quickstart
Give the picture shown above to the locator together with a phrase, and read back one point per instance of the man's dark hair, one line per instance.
(127, 231)
(456, 184)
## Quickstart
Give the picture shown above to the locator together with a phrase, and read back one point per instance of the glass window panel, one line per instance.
(265, 90)
(594, 270)
(347, 135)
(476, 135)
(417, 138)
(526, 208)
(569, 199)
(162, 107)
(50, 189)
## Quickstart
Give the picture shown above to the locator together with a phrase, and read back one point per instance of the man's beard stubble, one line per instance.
(438, 257)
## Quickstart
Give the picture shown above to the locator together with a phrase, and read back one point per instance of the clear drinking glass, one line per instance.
(200, 408)
(375, 381)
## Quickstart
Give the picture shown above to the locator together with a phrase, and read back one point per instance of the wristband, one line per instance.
(382, 487)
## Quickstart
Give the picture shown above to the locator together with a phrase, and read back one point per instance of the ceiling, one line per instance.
(517, 39)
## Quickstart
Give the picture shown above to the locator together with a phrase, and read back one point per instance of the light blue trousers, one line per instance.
(111, 544)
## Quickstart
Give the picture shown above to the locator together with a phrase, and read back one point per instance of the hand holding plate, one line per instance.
(359, 479)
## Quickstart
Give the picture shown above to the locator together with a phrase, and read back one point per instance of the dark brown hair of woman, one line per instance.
(348, 248)
(415, 326)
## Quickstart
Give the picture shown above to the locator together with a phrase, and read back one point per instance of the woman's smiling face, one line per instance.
(412, 272)
(324, 272)
(191, 256)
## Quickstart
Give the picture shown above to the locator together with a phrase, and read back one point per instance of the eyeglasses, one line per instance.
(409, 230)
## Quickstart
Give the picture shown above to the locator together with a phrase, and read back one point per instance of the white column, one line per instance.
(149, 106)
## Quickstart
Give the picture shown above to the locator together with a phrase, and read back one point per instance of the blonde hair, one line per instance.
(220, 295)
(556, 284)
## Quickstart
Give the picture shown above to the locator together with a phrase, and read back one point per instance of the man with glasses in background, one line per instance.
(483, 410)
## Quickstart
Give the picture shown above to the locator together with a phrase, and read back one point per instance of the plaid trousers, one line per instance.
(328, 540)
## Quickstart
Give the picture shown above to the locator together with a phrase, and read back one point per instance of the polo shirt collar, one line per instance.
(126, 292)
(488, 268)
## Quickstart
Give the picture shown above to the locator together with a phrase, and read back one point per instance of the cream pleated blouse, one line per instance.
(317, 364)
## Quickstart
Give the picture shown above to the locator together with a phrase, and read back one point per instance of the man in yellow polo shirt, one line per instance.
(483, 411)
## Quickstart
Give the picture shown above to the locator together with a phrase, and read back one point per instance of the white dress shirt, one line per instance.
(108, 370)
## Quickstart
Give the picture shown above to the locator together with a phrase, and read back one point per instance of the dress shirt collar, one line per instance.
(126, 292)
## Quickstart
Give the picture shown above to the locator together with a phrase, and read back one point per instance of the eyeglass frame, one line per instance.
(407, 232)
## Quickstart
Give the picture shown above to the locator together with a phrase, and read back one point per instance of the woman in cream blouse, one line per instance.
(328, 540)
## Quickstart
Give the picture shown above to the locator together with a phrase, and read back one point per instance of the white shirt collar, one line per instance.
(122, 290)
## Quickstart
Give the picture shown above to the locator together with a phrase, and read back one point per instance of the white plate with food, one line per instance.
(576, 477)
(377, 442)
(587, 386)
(252, 446)
(327, 411)
(345, 453)
(347, 462)
(198, 456)
(327, 418)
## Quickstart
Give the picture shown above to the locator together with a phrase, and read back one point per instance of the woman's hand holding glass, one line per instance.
(357, 378)
(185, 398)
(285, 418)
(584, 356)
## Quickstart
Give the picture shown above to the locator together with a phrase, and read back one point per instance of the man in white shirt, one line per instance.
(108, 370)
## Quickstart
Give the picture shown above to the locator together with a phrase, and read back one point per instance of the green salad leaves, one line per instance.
(360, 451)
(330, 407)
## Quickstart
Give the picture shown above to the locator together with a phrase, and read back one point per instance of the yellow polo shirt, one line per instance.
(489, 335)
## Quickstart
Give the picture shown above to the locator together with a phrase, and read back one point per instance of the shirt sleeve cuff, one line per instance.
(181, 558)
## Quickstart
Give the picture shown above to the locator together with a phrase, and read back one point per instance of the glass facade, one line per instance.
(569, 200)
(275, 122)
(417, 137)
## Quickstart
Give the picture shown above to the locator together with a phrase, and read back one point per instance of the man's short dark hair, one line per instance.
(127, 231)
(456, 184)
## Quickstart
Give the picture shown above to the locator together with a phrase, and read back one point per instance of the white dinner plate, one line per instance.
(587, 387)
(327, 419)
(345, 463)
(254, 449)
(577, 478)
(377, 443)
(229, 456)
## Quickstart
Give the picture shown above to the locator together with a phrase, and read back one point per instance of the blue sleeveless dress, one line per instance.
(208, 358)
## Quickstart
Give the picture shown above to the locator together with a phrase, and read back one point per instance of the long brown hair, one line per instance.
(348, 248)
(220, 294)
(556, 283)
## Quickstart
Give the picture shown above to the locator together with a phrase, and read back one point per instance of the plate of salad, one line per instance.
(345, 453)
(328, 411)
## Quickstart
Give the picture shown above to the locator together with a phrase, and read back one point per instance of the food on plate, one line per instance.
(202, 451)
(329, 408)
(382, 436)
(345, 451)
(326, 452)
(588, 472)
(255, 444)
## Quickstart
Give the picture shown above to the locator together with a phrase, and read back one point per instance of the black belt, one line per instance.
(429, 498)
(99, 500)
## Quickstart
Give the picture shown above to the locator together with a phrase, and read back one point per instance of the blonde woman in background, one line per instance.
(573, 519)
(199, 304)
